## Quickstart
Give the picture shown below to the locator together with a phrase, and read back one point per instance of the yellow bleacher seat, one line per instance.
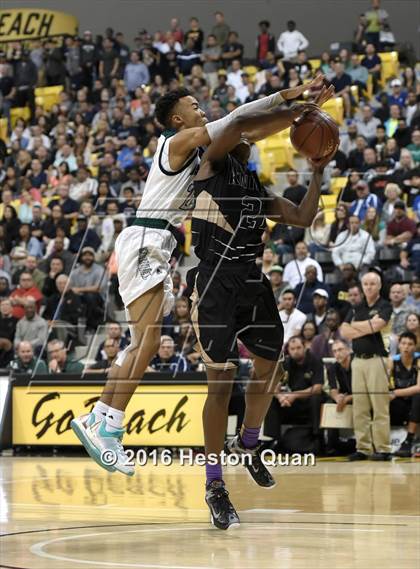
(19, 113)
(389, 65)
(328, 202)
(251, 70)
(337, 184)
(329, 216)
(3, 129)
(335, 108)
(316, 64)
(47, 97)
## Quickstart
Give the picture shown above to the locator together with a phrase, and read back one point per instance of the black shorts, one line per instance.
(231, 304)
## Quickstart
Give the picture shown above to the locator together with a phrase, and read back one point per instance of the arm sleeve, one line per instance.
(216, 128)
(303, 42)
(332, 381)
(318, 375)
(385, 311)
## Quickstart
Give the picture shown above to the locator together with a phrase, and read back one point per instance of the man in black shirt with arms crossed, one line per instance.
(232, 299)
(365, 325)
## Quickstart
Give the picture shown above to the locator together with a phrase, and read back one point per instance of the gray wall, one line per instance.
(322, 21)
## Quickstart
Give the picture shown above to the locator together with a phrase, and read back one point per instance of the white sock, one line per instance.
(100, 410)
(114, 419)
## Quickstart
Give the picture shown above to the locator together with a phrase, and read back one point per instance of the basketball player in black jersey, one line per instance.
(233, 300)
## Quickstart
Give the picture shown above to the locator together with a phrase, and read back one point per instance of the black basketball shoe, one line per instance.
(255, 466)
(405, 449)
(222, 513)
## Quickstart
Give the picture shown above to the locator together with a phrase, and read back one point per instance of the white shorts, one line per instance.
(143, 256)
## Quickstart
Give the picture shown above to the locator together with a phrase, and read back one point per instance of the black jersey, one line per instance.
(403, 377)
(229, 216)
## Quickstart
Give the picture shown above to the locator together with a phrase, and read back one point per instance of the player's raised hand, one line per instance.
(313, 87)
(324, 95)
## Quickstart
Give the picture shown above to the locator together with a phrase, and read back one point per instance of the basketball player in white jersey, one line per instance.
(144, 249)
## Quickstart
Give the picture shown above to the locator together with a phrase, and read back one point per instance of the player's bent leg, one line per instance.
(101, 436)
(215, 416)
(259, 394)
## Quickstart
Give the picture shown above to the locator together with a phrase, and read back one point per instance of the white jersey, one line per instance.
(168, 194)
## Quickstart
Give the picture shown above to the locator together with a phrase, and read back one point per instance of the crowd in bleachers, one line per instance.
(78, 135)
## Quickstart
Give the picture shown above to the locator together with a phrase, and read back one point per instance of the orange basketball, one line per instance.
(315, 134)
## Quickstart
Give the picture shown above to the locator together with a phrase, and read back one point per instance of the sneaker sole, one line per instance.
(259, 485)
(232, 526)
(88, 446)
(130, 473)
(229, 451)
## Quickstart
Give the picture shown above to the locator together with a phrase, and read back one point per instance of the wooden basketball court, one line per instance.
(68, 513)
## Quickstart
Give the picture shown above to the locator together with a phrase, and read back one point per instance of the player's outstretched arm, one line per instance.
(274, 120)
(261, 131)
(282, 210)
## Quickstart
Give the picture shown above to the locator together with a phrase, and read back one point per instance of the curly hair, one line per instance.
(166, 103)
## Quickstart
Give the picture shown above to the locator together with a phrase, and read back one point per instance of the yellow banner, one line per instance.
(26, 24)
(157, 415)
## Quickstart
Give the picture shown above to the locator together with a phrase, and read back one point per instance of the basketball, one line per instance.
(315, 134)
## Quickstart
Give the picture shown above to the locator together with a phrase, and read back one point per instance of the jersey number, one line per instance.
(252, 218)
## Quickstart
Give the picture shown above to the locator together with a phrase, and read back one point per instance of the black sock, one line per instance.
(410, 437)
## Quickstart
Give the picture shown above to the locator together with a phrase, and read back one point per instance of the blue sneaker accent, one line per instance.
(103, 432)
(80, 432)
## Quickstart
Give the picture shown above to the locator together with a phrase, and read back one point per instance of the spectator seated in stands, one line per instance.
(20, 295)
(364, 200)
(278, 286)
(89, 280)
(411, 187)
(373, 63)
(63, 310)
(400, 308)
(30, 266)
(294, 192)
(378, 177)
(347, 278)
(29, 243)
(292, 318)
(26, 362)
(413, 298)
(339, 382)
(294, 271)
(7, 331)
(59, 361)
(354, 246)
(322, 344)
(392, 194)
(401, 229)
(109, 353)
(113, 332)
(166, 360)
(84, 187)
(56, 268)
(304, 291)
(367, 123)
(31, 327)
(342, 82)
(268, 260)
(318, 314)
(405, 394)
(87, 237)
(298, 399)
(69, 206)
(59, 250)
